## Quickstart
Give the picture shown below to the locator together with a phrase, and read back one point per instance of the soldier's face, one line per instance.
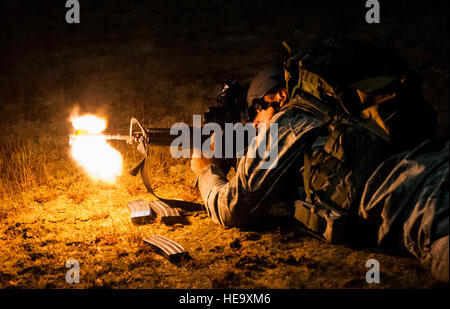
(264, 115)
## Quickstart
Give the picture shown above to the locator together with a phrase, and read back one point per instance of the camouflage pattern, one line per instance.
(253, 192)
(406, 200)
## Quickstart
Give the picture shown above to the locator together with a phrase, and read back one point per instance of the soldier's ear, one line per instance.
(283, 96)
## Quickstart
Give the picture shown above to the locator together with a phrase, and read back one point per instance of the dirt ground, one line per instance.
(38, 238)
(161, 62)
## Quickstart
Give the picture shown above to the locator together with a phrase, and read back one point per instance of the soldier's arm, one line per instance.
(246, 198)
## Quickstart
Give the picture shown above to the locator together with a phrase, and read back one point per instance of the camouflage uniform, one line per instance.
(254, 192)
(405, 199)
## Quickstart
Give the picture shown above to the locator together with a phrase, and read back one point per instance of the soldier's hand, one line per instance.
(198, 164)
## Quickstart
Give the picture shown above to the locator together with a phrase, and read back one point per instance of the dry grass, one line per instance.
(66, 215)
(135, 65)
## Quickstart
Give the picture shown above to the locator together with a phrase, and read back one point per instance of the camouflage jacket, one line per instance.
(255, 192)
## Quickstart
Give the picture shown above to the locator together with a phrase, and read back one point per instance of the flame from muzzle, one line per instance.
(98, 158)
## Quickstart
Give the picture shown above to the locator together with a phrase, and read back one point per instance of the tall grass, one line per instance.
(162, 76)
(34, 157)
(23, 166)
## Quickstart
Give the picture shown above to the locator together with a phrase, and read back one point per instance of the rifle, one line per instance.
(229, 107)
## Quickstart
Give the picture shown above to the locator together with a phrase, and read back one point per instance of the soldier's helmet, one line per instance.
(268, 79)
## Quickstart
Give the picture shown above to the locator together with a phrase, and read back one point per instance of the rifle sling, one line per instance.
(145, 178)
(140, 168)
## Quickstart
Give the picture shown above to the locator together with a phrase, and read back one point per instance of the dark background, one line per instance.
(162, 61)
(138, 55)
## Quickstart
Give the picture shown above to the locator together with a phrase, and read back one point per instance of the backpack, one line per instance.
(371, 108)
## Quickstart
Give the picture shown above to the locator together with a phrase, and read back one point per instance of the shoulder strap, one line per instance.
(306, 175)
(312, 106)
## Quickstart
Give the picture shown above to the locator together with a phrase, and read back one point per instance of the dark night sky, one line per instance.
(34, 34)
(40, 24)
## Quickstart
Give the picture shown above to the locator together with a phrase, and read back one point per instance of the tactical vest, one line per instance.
(365, 119)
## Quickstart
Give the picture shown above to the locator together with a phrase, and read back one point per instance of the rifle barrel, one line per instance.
(159, 136)
(162, 137)
(122, 137)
